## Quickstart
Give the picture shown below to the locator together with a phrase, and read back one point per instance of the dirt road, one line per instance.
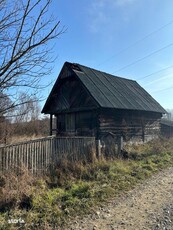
(148, 206)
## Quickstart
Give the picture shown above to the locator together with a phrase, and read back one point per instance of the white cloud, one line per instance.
(104, 12)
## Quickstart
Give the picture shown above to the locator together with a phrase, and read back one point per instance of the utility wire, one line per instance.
(163, 89)
(158, 79)
(169, 67)
(143, 58)
(136, 42)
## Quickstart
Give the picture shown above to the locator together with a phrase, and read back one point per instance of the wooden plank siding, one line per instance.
(84, 124)
(38, 155)
(131, 125)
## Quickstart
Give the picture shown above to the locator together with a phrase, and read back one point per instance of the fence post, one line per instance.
(37, 154)
(98, 149)
(51, 119)
(53, 152)
(120, 144)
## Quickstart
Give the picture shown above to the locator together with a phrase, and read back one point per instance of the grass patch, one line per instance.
(74, 189)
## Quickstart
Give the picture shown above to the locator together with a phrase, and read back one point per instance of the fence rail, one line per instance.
(37, 155)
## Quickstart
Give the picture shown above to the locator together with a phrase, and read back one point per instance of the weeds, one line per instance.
(74, 188)
(15, 190)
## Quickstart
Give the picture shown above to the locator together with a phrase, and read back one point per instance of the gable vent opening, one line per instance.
(75, 67)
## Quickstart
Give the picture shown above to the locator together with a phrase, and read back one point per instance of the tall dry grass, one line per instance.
(21, 138)
(15, 190)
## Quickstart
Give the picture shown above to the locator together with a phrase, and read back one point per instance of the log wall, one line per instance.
(132, 126)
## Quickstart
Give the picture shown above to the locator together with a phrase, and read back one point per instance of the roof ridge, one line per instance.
(109, 91)
(104, 72)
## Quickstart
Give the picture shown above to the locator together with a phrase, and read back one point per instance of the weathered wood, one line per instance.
(50, 132)
(167, 128)
(131, 125)
(37, 155)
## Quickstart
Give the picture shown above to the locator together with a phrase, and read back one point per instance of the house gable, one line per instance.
(79, 87)
(68, 94)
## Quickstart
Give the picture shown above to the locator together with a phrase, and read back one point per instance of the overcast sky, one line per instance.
(127, 38)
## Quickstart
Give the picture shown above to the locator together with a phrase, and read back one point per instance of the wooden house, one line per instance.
(88, 102)
(166, 128)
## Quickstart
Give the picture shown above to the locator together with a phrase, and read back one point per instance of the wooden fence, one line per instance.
(38, 155)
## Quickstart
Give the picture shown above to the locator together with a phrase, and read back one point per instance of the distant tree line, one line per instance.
(25, 124)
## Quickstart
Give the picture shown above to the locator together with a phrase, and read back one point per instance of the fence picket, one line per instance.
(36, 155)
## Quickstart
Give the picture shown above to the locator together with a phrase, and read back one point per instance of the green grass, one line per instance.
(74, 189)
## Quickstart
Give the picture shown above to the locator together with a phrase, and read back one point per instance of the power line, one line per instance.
(163, 89)
(169, 67)
(145, 57)
(158, 79)
(136, 42)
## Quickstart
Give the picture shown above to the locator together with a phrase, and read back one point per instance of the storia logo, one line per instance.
(16, 221)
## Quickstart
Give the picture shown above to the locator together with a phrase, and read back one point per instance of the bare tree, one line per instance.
(29, 111)
(27, 32)
(4, 122)
(5, 104)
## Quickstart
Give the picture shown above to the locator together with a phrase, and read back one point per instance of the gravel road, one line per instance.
(148, 206)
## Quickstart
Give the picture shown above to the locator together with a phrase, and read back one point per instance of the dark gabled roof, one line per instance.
(113, 92)
(116, 92)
